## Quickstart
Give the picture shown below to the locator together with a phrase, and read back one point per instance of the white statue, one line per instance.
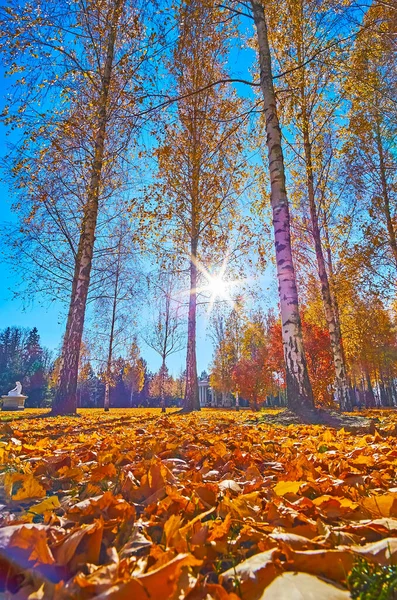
(17, 389)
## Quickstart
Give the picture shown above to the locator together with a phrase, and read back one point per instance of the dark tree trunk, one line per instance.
(369, 392)
(191, 400)
(341, 382)
(385, 192)
(65, 400)
(162, 379)
(106, 404)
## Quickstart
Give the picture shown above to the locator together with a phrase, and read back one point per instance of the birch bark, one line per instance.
(299, 391)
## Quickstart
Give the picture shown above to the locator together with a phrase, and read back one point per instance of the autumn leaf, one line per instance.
(251, 576)
(50, 503)
(296, 586)
(25, 545)
(35, 542)
(287, 487)
(23, 487)
(168, 579)
(107, 471)
(331, 564)
(83, 541)
(384, 505)
(106, 506)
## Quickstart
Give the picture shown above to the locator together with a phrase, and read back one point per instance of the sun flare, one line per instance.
(214, 287)
(218, 287)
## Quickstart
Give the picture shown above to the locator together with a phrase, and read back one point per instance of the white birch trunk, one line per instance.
(299, 391)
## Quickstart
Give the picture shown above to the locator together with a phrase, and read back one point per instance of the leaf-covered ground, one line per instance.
(133, 504)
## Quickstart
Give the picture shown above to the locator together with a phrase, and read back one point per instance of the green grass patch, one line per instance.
(367, 581)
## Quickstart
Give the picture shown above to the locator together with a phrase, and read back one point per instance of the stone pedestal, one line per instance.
(13, 402)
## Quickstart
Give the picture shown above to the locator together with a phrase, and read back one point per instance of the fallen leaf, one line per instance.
(21, 487)
(383, 552)
(167, 578)
(252, 575)
(70, 546)
(301, 586)
(50, 503)
(384, 505)
(330, 564)
(287, 487)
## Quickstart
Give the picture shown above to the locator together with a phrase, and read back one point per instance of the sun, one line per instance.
(218, 287)
(214, 286)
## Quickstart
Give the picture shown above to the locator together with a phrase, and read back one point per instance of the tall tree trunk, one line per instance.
(106, 404)
(369, 392)
(162, 377)
(299, 391)
(385, 191)
(191, 400)
(165, 350)
(65, 400)
(335, 307)
(393, 391)
(341, 382)
(384, 400)
(331, 276)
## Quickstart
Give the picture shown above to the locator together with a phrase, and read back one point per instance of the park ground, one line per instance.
(216, 504)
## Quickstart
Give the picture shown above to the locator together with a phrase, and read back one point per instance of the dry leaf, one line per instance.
(301, 586)
(50, 503)
(251, 576)
(383, 552)
(330, 564)
(23, 487)
(287, 487)
(165, 581)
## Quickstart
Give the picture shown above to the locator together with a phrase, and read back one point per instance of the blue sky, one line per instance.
(48, 320)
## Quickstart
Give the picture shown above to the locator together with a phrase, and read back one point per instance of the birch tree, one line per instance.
(299, 391)
(310, 101)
